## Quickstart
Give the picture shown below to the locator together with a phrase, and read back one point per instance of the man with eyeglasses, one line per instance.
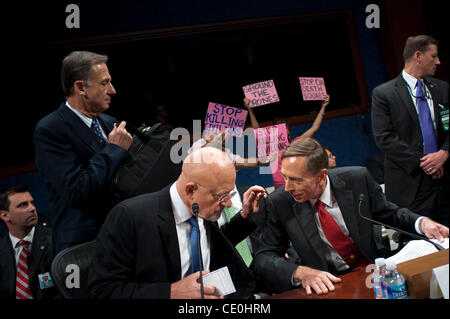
(145, 247)
(410, 124)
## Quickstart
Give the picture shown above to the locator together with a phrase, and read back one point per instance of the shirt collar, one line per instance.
(15, 240)
(86, 119)
(180, 211)
(326, 197)
(410, 80)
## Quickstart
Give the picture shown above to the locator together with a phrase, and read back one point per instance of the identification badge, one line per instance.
(45, 280)
(443, 114)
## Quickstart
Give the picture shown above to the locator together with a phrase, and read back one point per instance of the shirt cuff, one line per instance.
(417, 223)
(293, 283)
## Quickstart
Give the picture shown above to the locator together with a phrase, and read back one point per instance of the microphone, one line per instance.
(361, 199)
(195, 209)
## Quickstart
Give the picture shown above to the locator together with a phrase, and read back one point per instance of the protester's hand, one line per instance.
(189, 288)
(246, 102)
(433, 230)
(250, 202)
(320, 281)
(120, 136)
(431, 163)
(326, 101)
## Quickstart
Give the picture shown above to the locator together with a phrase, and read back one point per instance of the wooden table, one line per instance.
(353, 286)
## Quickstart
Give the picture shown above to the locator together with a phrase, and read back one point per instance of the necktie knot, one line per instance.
(420, 90)
(24, 243)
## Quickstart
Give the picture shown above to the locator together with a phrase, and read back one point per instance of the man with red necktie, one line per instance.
(317, 210)
(26, 251)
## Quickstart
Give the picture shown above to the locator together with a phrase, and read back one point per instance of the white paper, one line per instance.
(415, 249)
(220, 279)
(441, 275)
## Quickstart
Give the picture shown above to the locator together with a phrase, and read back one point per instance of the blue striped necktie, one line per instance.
(97, 131)
(195, 265)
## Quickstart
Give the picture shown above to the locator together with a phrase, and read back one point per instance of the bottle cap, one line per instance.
(380, 262)
(391, 265)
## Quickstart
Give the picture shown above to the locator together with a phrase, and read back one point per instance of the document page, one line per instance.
(415, 249)
(220, 279)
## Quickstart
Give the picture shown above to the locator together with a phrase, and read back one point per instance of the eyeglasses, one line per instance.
(220, 198)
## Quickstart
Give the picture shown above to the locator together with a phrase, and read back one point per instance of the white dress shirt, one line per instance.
(182, 214)
(17, 247)
(412, 84)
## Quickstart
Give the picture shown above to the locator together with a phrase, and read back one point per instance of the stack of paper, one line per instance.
(415, 249)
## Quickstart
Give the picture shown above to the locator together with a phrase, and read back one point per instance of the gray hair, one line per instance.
(77, 66)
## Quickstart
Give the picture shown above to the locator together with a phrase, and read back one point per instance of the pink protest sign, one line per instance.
(221, 118)
(271, 139)
(313, 88)
(261, 93)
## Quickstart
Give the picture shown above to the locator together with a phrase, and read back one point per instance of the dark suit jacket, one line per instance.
(398, 135)
(293, 221)
(39, 261)
(137, 254)
(77, 172)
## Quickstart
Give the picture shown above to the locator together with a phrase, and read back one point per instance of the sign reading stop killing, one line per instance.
(261, 93)
(221, 118)
(313, 88)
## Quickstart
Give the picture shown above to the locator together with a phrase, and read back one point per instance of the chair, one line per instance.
(79, 255)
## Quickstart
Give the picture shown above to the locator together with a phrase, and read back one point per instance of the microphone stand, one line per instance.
(361, 199)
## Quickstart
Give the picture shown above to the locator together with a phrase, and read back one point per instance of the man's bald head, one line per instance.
(207, 173)
(207, 165)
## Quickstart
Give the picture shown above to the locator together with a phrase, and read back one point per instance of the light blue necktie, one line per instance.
(195, 266)
(426, 124)
(96, 129)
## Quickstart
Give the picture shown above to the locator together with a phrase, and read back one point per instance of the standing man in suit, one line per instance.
(408, 129)
(78, 150)
(318, 212)
(26, 251)
(144, 249)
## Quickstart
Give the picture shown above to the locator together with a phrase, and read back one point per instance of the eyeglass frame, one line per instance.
(220, 198)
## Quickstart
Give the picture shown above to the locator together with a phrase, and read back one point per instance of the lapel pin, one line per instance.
(42, 247)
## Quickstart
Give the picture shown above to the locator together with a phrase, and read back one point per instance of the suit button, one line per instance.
(44, 224)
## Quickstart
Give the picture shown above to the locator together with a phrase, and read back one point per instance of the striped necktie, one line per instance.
(97, 131)
(195, 233)
(242, 247)
(22, 281)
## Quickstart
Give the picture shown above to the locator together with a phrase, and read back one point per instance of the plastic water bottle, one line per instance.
(394, 282)
(378, 276)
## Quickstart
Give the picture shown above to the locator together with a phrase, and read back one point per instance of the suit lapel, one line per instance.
(78, 127)
(40, 245)
(8, 264)
(169, 236)
(405, 96)
(345, 200)
(434, 95)
(305, 217)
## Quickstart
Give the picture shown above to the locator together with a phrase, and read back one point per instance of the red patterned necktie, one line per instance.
(340, 242)
(22, 282)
